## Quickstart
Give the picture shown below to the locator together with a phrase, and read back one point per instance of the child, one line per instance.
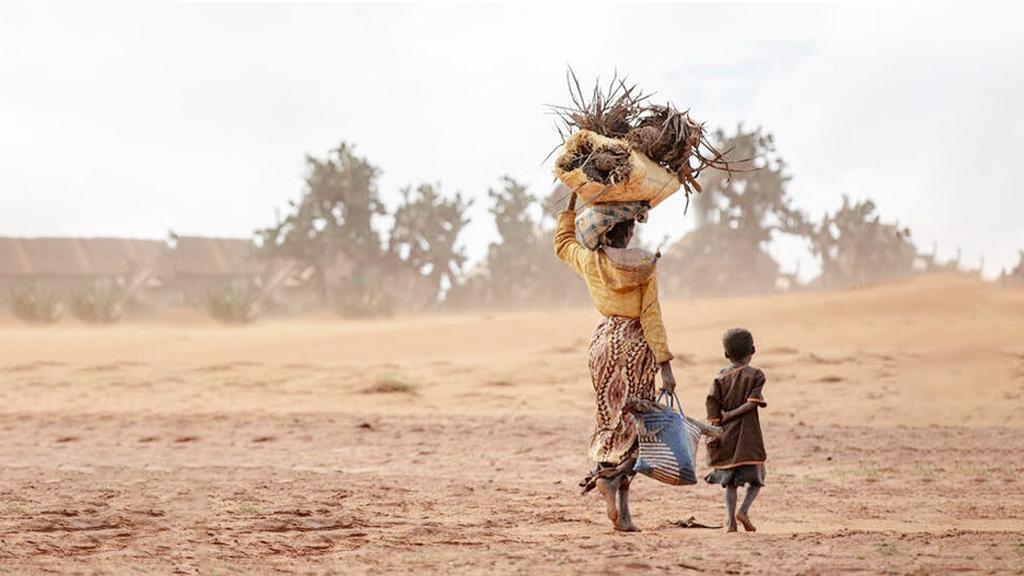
(738, 455)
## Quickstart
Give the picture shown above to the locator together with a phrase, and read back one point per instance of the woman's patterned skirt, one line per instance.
(622, 367)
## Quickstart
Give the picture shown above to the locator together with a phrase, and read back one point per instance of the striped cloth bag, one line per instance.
(668, 444)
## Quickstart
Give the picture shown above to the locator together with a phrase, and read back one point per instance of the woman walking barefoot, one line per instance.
(629, 345)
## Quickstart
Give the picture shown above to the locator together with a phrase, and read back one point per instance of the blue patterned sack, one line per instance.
(667, 445)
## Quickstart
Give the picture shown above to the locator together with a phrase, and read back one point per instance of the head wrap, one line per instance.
(596, 219)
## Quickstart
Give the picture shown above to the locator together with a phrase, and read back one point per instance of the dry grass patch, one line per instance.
(390, 385)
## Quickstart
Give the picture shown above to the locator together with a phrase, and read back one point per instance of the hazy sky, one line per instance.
(135, 118)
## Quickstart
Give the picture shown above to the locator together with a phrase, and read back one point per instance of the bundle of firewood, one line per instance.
(618, 146)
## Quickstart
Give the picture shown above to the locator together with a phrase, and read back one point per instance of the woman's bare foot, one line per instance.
(745, 520)
(609, 489)
(625, 521)
(731, 527)
(626, 526)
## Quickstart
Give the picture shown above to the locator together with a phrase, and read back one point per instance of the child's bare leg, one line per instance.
(730, 508)
(748, 499)
(625, 521)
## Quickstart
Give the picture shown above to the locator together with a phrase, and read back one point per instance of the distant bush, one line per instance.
(1014, 277)
(36, 306)
(237, 303)
(365, 307)
(395, 283)
(102, 302)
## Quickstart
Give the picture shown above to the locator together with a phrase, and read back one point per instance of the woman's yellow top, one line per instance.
(619, 286)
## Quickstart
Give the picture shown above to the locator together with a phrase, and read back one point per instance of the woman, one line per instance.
(629, 344)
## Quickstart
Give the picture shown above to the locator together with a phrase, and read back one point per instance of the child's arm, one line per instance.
(755, 400)
(748, 406)
(714, 404)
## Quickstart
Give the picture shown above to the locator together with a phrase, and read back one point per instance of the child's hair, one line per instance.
(738, 344)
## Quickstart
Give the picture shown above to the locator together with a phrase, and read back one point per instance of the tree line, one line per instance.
(415, 263)
(360, 258)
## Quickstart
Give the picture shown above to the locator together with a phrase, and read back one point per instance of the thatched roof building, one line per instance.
(183, 269)
(202, 257)
(33, 258)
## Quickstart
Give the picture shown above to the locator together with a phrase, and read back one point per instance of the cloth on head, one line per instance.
(594, 220)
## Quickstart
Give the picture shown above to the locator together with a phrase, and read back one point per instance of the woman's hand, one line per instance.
(668, 381)
(571, 207)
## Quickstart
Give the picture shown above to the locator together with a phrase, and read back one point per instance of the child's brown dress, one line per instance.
(738, 456)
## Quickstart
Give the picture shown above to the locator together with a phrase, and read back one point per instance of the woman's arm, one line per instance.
(653, 327)
(668, 380)
(566, 246)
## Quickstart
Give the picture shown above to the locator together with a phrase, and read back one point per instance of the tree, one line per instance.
(515, 262)
(332, 220)
(520, 268)
(1015, 276)
(738, 214)
(857, 248)
(423, 241)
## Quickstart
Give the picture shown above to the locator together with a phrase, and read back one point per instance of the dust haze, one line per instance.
(349, 348)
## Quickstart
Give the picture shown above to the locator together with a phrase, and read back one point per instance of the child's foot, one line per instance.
(731, 527)
(745, 520)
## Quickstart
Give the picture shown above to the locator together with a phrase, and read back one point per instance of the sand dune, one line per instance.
(453, 443)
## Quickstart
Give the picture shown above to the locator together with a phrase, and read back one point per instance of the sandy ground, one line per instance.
(453, 444)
